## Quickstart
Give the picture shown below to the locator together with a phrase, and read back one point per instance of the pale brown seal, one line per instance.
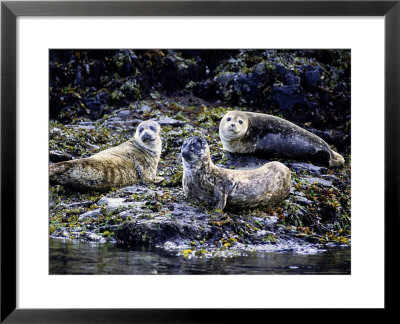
(221, 187)
(273, 137)
(119, 166)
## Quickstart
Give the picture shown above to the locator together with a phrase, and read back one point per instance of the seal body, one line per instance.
(274, 137)
(119, 166)
(221, 187)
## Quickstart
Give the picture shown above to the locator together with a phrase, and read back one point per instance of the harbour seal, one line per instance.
(119, 166)
(273, 137)
(221, 187)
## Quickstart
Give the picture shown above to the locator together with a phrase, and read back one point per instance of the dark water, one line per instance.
(79, 257)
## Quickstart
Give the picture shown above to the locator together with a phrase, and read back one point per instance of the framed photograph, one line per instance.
(206, 149)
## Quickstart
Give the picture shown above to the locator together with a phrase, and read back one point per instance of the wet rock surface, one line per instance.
(315, 214)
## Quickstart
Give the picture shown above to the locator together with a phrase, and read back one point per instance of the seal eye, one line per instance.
(228, 119)
(153, 129)
(141, 129)
(240, 121)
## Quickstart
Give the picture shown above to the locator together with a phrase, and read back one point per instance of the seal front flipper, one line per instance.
(221, 193)
(336, 160)
(220, 197)
(146, 177)
(157, 179)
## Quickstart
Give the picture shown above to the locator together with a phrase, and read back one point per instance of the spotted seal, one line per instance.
(273, 137)
(221, 187)
(134, 160)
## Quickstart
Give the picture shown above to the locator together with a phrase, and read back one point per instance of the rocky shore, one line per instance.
(97, 100)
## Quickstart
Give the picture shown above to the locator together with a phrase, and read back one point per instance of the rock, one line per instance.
(179, 222)
(184, 209)
(80, 204)
(287, 76)
(114, 119)
(262, 233)
(136, 189)
(55, 132)
(113, 203)
(260, 69)
(96, 238)
(312, 75)
(206, 89)
(288, 96)
(292, 79)
(145, 109)
(169, 121)
(268, 222)
(132, 205)
(177, 141)
(160, 230)
(96, 104)
(311, 168)
(240, 86)
(84, 127)
(303, 201)
(124, 114)
(92, 213)
(86, 123)
(323, 182)
(332, 178)
(122, 123)
(125, 214)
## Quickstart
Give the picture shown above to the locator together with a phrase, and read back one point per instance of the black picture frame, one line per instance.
(10, 10)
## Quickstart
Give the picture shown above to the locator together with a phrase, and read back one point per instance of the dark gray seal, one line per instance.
(221, 187)
(273, 137)
(119, 166)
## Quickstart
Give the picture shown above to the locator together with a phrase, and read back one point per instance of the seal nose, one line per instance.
(233, 125)
(146, 137)
(186, 154)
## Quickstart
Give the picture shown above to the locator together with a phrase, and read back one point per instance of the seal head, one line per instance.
(194, 150)
(148, 136)
(233, 125)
